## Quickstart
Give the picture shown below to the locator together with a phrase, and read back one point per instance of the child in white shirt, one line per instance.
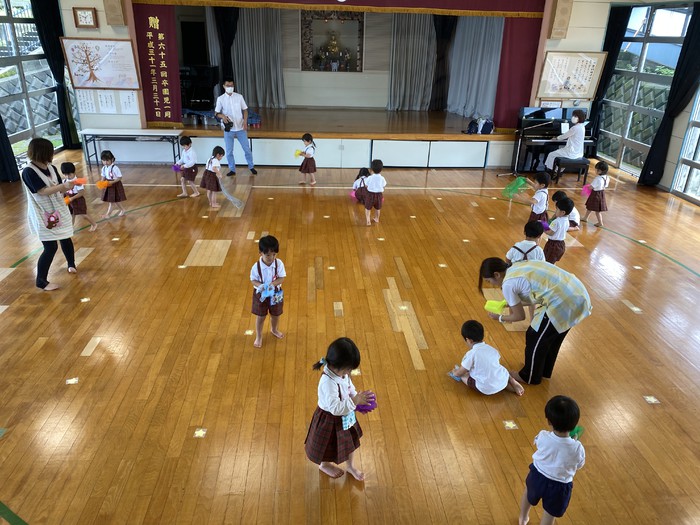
(308, 165)
(334, 433)
(527, 250)
(211, 178)
(359, 187)
(481, 369)
(267, 273)
(555, 247)
(574, 216)
(375, 191)
(555, 462)
(538, 201)
(596, 200)
(188, 167)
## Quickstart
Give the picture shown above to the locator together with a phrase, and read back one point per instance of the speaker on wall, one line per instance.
(560, 19)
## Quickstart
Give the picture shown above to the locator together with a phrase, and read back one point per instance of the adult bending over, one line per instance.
(574, 141)
(563, 303)
(48, 213)
(233, 112)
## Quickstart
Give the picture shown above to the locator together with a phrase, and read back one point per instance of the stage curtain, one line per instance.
(8, 166)
(617, 27)
(213, 44)
(47, 16)
(444, 32)
(685, 84)
(412, 64)
(518, 53)
(226, 26)
(474, 63)
(257, 58)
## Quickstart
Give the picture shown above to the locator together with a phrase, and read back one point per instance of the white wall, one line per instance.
(589, 19)
(88, 120)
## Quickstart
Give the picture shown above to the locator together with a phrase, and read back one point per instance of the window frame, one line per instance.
(639, 76)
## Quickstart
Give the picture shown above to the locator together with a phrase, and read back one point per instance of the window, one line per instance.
(27, 88)
(687, 178)
(637, 96)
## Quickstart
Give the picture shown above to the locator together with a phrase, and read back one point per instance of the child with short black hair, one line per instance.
(596, 200)
(267, 274)
(375, 191)
(574, 216)
(538, 201)
(308, 165)
(334, 433)
(188, 167)
(555, 247)
(76, 196)
(527, 250)
(481, 369)
(114, 192)
(554, 464)
(360, 185)
(211, 178)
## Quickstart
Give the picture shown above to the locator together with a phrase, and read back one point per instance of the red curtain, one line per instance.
(518, 53)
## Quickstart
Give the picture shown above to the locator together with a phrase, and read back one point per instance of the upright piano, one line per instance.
(536, 129)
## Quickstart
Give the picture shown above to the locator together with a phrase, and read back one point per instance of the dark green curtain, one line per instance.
(686, 81)
(8, 166)
(617, 27)
(47, 17)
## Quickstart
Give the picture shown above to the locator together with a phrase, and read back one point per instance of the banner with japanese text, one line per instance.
(160, 71)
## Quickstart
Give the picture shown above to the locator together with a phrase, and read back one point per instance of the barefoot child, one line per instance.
(334, 433)
(538, 201)
(212, 175)
(360, 185)
(596, 200)
(375, 191)
(481, 369)
(267, 272)
(554, 464)
(308, 165)
(555, 247)
(77, 204)
(188, 167)
(114, 192)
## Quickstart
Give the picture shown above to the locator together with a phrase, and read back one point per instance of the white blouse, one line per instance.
(335, 393)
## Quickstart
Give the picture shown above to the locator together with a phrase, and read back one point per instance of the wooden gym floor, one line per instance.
(156, 330)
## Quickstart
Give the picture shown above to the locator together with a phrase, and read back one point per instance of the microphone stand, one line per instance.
(520, 133)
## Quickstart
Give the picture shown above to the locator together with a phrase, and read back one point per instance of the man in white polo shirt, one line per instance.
(233, 112)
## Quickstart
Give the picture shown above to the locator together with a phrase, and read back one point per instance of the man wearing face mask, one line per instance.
(233, 112)
(574, 141)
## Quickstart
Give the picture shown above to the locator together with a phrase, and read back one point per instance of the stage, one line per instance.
(352, 123)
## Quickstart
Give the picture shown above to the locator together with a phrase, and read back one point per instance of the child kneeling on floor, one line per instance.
(481, 368)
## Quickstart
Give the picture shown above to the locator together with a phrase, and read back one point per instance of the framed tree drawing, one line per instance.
(97, 63)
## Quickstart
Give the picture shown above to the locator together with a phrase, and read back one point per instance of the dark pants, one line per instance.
(541, 350)
(46, 258)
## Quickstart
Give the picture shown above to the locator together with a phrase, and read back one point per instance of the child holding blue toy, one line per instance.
(267, 275)
(555, 462)
(481, 367)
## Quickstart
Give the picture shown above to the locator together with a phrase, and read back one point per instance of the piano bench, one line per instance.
(562, 163)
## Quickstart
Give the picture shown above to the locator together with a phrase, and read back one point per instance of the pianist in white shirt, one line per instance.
(574, 141)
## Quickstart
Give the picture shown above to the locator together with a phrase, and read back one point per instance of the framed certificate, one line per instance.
(570, 75)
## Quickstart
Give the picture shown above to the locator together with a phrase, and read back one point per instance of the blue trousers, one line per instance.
(242, 137)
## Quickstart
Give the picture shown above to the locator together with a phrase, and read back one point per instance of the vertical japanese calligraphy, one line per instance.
(160, 70)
